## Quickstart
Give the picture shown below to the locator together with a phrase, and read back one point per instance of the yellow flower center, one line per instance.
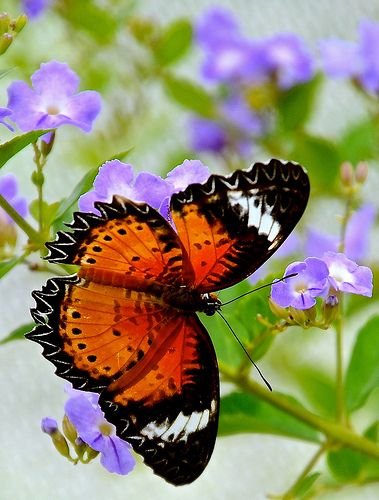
(105, 428)
(53, 110)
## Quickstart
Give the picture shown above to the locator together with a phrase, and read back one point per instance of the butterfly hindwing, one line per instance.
(229, 226)
(175, 433)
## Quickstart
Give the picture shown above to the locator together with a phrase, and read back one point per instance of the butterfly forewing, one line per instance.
(230, 226)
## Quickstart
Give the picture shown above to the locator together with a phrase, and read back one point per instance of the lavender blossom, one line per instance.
(53, 101)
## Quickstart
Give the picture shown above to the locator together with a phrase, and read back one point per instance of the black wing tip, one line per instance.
(65, 246)
(286, 171)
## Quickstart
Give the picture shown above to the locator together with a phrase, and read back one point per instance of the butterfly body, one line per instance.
(126, 326)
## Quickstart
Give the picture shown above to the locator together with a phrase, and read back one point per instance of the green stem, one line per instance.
(39, 184)
(291, 492)
(32, 234)
(340, 386)
(333, 431)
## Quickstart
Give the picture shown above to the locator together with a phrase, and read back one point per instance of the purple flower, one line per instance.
(188, 172)
(4, 113)
(88, 419)
(236, 129)
(356, 239)
(288, 59)
(207, 135)
(53, 100)
(358, 61)
(229, 56)
(115, 177)
(358, 231)
(301, 290)
(9, 190)
(34, 8)
(340, 58)
(49, 425)
(346, 276)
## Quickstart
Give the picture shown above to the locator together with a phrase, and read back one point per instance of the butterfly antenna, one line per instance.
(245, 351)
(259, 288)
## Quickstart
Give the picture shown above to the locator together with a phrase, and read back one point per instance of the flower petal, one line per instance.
(189, 172)
(116, 456)
(83, 108)
(85, 418)
(55, 79)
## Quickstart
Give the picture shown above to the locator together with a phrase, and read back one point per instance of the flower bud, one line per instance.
(50, 427)
(4, 23)
(279, 311)
(361, 172)
(69, 430)
(297, 316)
(330, 309)
(5, 40)
(20, 22)
(347, 174)
(47, 143)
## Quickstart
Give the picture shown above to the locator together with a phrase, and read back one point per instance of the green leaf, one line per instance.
(317, 388)
(49, 210)
(18, 333)
(174, 43)
(345, 464)
(362, 374)
(8, 265)
(304, 485)
(17, 144)
(190, 95)
(227, 349)
(370, 466)
(320, 157)
(295, 106)
(243, 412)
(360, 142)
(67, 206)
(86, 16)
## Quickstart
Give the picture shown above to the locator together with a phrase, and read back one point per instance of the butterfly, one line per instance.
(126, 325)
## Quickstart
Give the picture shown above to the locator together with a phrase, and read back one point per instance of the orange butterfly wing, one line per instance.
(108, 330)
(229, 226)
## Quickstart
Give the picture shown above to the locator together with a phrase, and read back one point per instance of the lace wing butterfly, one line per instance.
(126, 326)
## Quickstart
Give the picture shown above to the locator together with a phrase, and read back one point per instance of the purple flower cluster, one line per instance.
(240, 65)
(116, 177)
(230, 57)
(356, 61)
(325, 278)
(52, 101)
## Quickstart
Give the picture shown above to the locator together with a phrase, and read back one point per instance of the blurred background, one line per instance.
(104, 42)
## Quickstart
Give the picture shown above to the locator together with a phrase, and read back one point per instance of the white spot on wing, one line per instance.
(181, 428)
(255, 213)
